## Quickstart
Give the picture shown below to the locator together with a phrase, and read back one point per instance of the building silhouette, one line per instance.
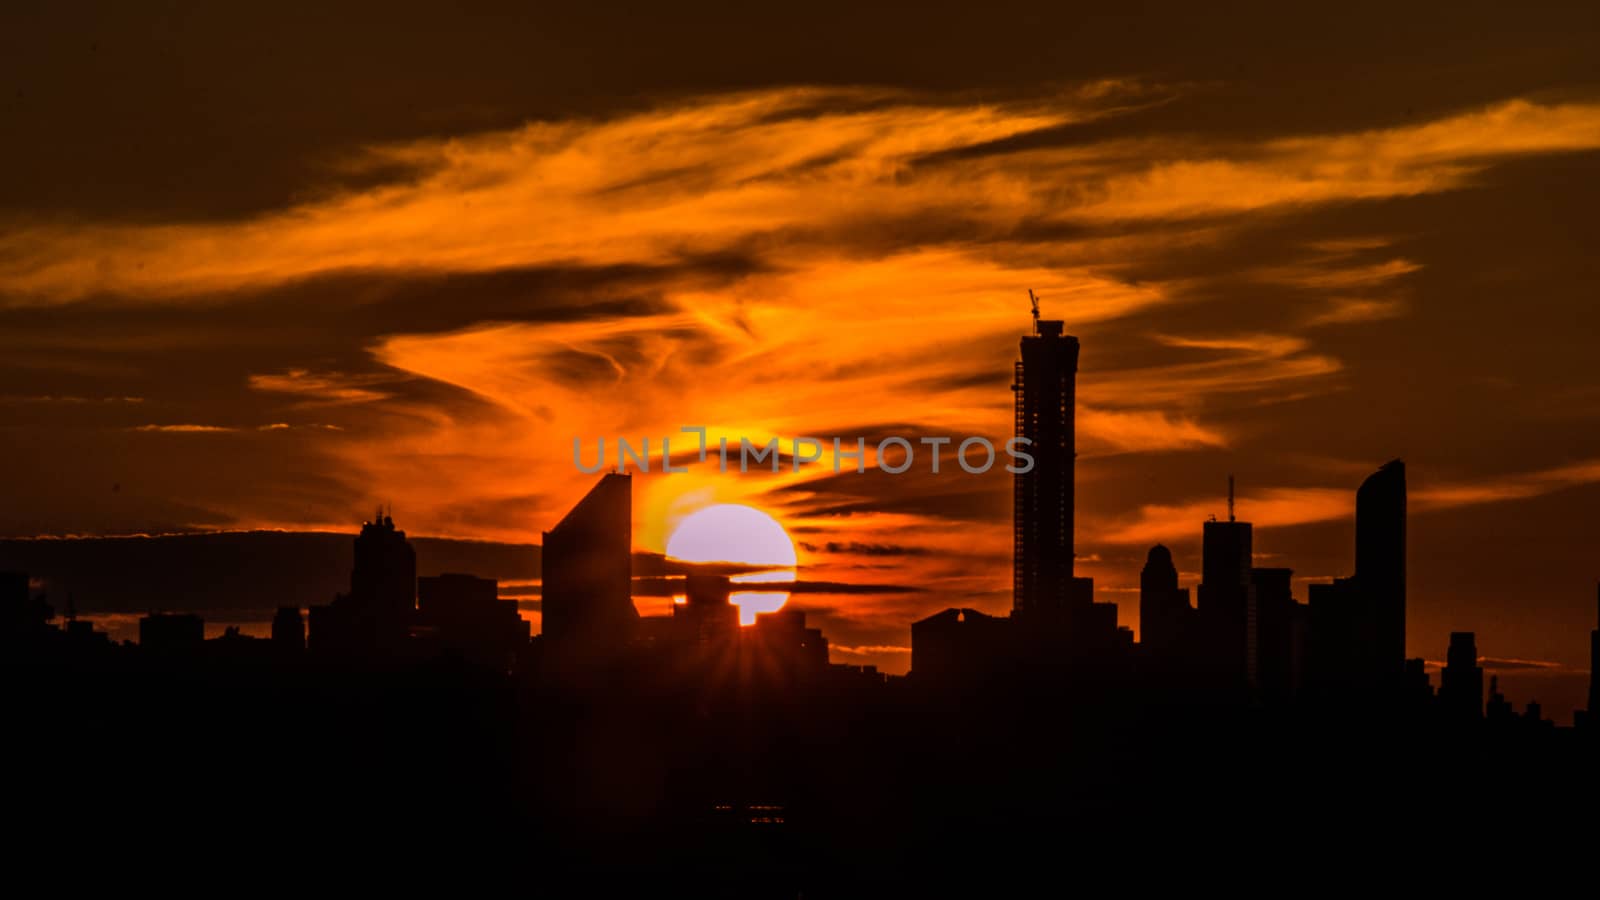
(689, 744)
(1166, 620)
(289, 630)
(1227, 601)
(1055, 624)
(463, 615)
(1593, 710)
(1381, 570)
(707, 614)
(587, 570)
(383, 582)
(1358, 624)
(1461, 681)
(1045, 397)
(1337, 634)
(959, 646)
(14, 597)
(784, 644)
(172, 632)
(23, 616)
(1282, 634)
(374, 619)
(1496, 710)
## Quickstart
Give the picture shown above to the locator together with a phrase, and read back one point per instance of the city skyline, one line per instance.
(695, 745)
(411, 267)
(1233, 602)
(341, 346)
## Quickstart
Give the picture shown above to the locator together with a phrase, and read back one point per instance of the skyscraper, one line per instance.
(1381, 566)
(372, 621)
(1594, 668)
(1279, 633)
(587, 593)
(1164, 612)
(1358, 623)
(1227, 601)
(1045, 396)
(383, 583)
(1337, 629)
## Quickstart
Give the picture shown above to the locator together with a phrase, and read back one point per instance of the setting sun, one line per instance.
(734, 533)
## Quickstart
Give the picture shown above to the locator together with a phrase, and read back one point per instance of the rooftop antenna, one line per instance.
(1230, 498)
(1034, 299)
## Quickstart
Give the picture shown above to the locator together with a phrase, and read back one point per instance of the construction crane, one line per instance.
(1034, 299)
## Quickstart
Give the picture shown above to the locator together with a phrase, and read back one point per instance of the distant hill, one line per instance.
(250, 570)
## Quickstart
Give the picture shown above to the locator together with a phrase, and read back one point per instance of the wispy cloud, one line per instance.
(1515, 486)
(1287, 507)
(71, 400)
(868, 649)
(231, 429)
(186, 429)
(1349, 310)
(814, 166)
(324, 388)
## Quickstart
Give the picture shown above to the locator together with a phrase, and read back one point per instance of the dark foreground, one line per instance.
(732, 784)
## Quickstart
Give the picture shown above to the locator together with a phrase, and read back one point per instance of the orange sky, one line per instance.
(413, 274)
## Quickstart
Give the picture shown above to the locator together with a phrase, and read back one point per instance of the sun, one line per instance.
(735, 533)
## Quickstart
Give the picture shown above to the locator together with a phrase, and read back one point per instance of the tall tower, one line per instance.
(383, 582)
(1594, 670)
(374, 619)
(587, 576)
(1045, 395)
(1227, 600)
(1381, 565)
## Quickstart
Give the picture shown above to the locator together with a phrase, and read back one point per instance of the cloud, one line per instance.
(1143, 430)
(806, 166)
(327, 388)
(230, 429)
(860, 548)
(1230, 364)
(845, 587)
(186, 429)
(1349, 310)
(1515, 486)
(1391, 162)
(71, 400)
(1538, 665)
(867, 650)
(1284, 507)
(1268, 508)
(284, 426)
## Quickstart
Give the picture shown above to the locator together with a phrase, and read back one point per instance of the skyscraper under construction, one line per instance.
(1045, 396)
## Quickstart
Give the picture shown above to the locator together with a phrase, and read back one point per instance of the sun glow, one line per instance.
(741, 535)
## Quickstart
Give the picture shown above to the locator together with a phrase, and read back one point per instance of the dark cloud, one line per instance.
(237, 571)
(1493, 664)
(864, 549)
(195, 110)
(953, 494)
(660, 586)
